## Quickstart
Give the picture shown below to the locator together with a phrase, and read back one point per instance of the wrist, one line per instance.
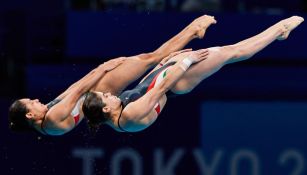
(186, 63)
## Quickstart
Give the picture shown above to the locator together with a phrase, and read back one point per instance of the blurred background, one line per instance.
(248, 119)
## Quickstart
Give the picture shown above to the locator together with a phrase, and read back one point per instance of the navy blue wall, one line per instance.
(254, 137)
(107, 34)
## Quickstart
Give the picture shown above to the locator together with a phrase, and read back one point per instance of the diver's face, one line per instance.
(111, 101)
(35, 107)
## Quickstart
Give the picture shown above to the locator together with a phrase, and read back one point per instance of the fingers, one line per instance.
(185, 50)
(109, 65)
(180, 51)
(118, 61)
(203, 57)
(203, 52)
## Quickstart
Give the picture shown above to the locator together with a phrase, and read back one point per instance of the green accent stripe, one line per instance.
(164, 74)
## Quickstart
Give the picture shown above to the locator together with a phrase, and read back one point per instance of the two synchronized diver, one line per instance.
(100, 97)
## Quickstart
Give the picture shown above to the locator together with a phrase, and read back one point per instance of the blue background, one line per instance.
(249, 118)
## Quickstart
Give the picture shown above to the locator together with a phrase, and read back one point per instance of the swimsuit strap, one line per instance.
(42, 127)
(120, 115)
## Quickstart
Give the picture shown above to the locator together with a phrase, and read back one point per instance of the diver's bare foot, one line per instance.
(288, 25)
(201, 24)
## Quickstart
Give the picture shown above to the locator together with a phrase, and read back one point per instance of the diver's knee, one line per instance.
(179, 90)
(151, 57)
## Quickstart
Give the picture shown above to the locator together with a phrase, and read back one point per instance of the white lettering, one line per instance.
(248, 155)
(168, 168)
(294, 155)
(87, 155)
(204, 167)
(123, 154)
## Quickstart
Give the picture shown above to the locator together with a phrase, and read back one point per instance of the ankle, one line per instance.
(192, 31)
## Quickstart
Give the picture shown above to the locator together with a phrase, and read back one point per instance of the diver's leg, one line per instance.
(196, 29)
(134, 67)
(220, 56)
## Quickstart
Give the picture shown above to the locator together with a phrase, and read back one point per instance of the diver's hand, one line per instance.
(199, 55)
(173, 54)
(112, 64)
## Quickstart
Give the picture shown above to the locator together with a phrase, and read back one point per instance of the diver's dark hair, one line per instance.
(92, 109)
(17, 117)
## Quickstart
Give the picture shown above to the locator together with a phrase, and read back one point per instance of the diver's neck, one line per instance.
(37, 124)
(115, 116)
